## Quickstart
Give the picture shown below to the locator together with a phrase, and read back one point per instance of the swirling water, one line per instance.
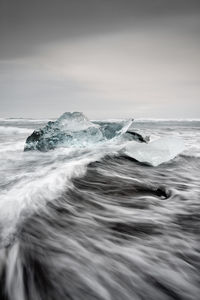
(90, 224)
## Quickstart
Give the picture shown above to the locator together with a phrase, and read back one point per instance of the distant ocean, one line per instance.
(92, 224)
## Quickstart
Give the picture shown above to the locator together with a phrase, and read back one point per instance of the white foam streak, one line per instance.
(33, 192)
(14, 275)
(14, 130)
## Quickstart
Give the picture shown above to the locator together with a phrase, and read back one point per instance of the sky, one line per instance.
(106, 58)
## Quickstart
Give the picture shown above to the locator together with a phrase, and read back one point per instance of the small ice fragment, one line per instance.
(156, 152)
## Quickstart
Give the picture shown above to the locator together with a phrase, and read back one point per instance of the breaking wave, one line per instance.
(93, 222)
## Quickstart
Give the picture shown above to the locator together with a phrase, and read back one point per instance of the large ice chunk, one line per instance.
(74, 130)
(156, 152)
(68, 130)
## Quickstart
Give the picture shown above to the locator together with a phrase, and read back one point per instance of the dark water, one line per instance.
(93, 224)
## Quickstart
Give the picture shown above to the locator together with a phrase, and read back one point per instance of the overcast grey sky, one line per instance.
(107, 58)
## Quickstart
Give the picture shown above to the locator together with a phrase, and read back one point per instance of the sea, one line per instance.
(88, 223)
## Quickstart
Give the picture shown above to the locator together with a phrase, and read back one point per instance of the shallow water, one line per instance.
(89, 223)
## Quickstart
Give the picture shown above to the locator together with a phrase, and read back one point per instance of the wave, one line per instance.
(23, 120)
(41, 178)
(14, 130)
(167, 120)
(32, 193)
(7, 149)
(105, 237)
(92, 223)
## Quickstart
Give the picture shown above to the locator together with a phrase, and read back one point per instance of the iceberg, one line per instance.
(155, 152)
(74, 129)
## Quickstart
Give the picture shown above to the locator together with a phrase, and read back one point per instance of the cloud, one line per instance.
(25, 25)
(149, 68)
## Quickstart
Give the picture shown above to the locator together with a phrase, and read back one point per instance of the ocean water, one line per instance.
(92, 224)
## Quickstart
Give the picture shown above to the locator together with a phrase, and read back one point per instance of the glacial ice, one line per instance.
(74, 121)
(74, 129)
(114, 129)
(155, 152)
